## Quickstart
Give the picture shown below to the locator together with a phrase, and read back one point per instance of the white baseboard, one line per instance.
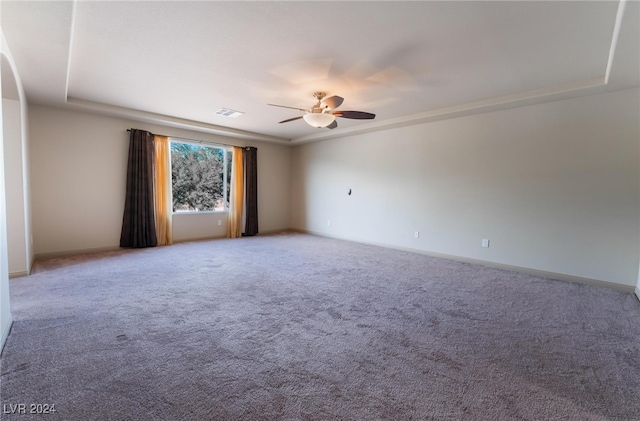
(529, 271)
(218, 237)
(5, 334)
(18, 274)
(191, 239)
(276, 231)
(66, 253)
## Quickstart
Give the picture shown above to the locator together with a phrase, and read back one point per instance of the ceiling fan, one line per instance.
(323, 113)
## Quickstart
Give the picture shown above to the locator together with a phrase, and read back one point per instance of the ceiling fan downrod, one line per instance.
(319, 108)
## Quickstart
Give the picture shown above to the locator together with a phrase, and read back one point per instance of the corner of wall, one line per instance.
(26, 168)
(5, 333)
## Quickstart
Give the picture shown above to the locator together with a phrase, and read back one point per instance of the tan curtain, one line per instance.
(234, 222)
(162, 178)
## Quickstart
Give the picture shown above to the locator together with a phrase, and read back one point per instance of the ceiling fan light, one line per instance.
(319, 119)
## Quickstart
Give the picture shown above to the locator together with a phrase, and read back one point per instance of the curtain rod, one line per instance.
(198, 140)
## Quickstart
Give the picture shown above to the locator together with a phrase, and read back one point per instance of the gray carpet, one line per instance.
(297, 327)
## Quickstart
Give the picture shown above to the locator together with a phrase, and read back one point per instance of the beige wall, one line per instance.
(554, 187)
(79, 172)
(16, 220)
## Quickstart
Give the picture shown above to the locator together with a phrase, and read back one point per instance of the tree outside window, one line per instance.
(199, 181)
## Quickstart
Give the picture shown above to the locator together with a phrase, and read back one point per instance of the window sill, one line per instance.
(199, 212)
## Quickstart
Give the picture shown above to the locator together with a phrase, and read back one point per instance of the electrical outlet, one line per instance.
(416, 234)
(219, 222)
(329, 223)
(485, 242)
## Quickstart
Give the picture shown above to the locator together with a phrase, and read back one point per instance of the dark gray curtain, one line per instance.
(138, 221)
(250, 164)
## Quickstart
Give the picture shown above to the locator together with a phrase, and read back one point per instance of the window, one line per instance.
(199, 177)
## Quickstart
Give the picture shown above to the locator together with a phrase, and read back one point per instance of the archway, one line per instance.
(15, 173)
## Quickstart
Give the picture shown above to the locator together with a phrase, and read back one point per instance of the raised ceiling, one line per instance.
(407, 62)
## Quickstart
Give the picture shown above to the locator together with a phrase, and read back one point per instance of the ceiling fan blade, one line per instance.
(333, 125)
(293, 108)
(357, 115)
(333, 102)
(290, 119)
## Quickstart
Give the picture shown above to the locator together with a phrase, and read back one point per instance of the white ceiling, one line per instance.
(407, 62)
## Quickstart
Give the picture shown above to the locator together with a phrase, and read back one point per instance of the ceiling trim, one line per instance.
(537, 96)
(180, 123)
(614, 38)
(71, 34)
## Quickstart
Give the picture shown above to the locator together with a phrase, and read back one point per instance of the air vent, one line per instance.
(225, 112)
